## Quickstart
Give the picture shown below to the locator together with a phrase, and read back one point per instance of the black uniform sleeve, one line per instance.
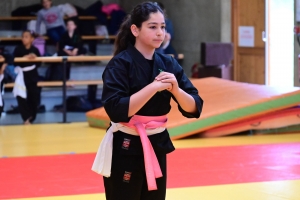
(185, 84)
(37, 53)
(79, 43)
(18, 52)
(62, 42)
(8, 58)
(116, 91)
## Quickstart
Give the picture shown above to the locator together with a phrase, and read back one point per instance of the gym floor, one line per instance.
(53, 161)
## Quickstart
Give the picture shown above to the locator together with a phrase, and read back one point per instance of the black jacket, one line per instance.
(128, 72)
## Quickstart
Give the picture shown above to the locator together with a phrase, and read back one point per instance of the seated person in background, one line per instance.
(8, 60)
(53, 19)
(2, 68)
(70, 44)
(26, 90)
(166, 46)
(7, 67)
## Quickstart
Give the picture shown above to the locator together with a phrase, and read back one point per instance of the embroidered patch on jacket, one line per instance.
(126, 143)
(126, 177)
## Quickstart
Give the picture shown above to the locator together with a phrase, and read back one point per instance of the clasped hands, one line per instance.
(166, 81)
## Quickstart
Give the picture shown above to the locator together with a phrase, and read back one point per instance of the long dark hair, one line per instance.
(31, 32)
(137, 16)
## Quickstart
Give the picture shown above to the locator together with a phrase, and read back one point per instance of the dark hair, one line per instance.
(43, 1)
(32, 33)
(137, 16)
(161, 5)
(71, 20)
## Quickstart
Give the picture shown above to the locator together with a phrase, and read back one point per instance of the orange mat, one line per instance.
(274, 120)
(225, 102)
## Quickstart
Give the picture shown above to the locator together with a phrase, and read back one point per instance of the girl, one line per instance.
(71, 43)
(26, 90)
(2, 68)
(138, 86)
(53, 19)
(8, 60)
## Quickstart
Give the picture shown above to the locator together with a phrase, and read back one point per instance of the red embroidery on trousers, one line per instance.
(126, 177)
(126, 144)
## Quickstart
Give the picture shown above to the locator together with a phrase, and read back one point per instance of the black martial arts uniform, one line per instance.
(70, 43)
(9, 60)
(28, 107)
(127, 73)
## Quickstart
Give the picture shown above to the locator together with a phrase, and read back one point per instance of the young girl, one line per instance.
(71, 43)
(2, 68)
(138, 86)
(53, 19)
(8, 61)
(26, 90)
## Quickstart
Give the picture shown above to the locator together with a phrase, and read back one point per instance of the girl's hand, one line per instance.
(166, 77)
(68, 52)
(160, 86)
(74, 52)
(30, 56)
(2, 68)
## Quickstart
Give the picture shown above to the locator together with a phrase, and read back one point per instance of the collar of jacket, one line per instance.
(158, 65)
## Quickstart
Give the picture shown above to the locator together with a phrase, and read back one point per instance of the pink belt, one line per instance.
(142, 124)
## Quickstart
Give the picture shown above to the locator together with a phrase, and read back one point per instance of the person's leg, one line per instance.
(125, 182)
(55, 33)
(81, 51)
(33, 98)
(23, 108)
(1, 107)
(160, 193)
(68, 65)
(52, 34)
(10, 72)
(68, 70)
(60, 31)
(127, 172)
(92, 93)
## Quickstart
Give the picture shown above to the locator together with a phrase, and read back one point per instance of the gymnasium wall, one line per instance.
(6, 6)
(297, 52)
(194, 21)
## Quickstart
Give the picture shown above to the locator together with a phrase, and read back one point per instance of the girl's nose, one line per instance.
(160, 32)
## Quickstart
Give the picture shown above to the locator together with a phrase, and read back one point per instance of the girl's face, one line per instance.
(47, 4)
(71, 26)
(152, 32)
(27, 38)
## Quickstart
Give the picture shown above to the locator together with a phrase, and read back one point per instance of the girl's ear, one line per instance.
(134, 30)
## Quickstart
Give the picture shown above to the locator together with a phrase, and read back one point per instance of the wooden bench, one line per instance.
(62, 58)
(27, 18)
(84, 37)
(60, 83)
(63, 83)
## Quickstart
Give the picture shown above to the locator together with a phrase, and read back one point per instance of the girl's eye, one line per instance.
(153, 27)
(163, 27)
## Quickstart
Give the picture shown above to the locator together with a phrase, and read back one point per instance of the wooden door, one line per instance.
(249, 62)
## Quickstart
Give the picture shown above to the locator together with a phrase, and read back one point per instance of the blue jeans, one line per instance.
(10, 72)
(55, 33)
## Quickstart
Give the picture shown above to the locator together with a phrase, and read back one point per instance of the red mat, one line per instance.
(70, 174)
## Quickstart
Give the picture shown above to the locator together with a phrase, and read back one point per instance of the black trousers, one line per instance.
(28, 107)
(128, 178)
(81, 51)
(1, 107)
